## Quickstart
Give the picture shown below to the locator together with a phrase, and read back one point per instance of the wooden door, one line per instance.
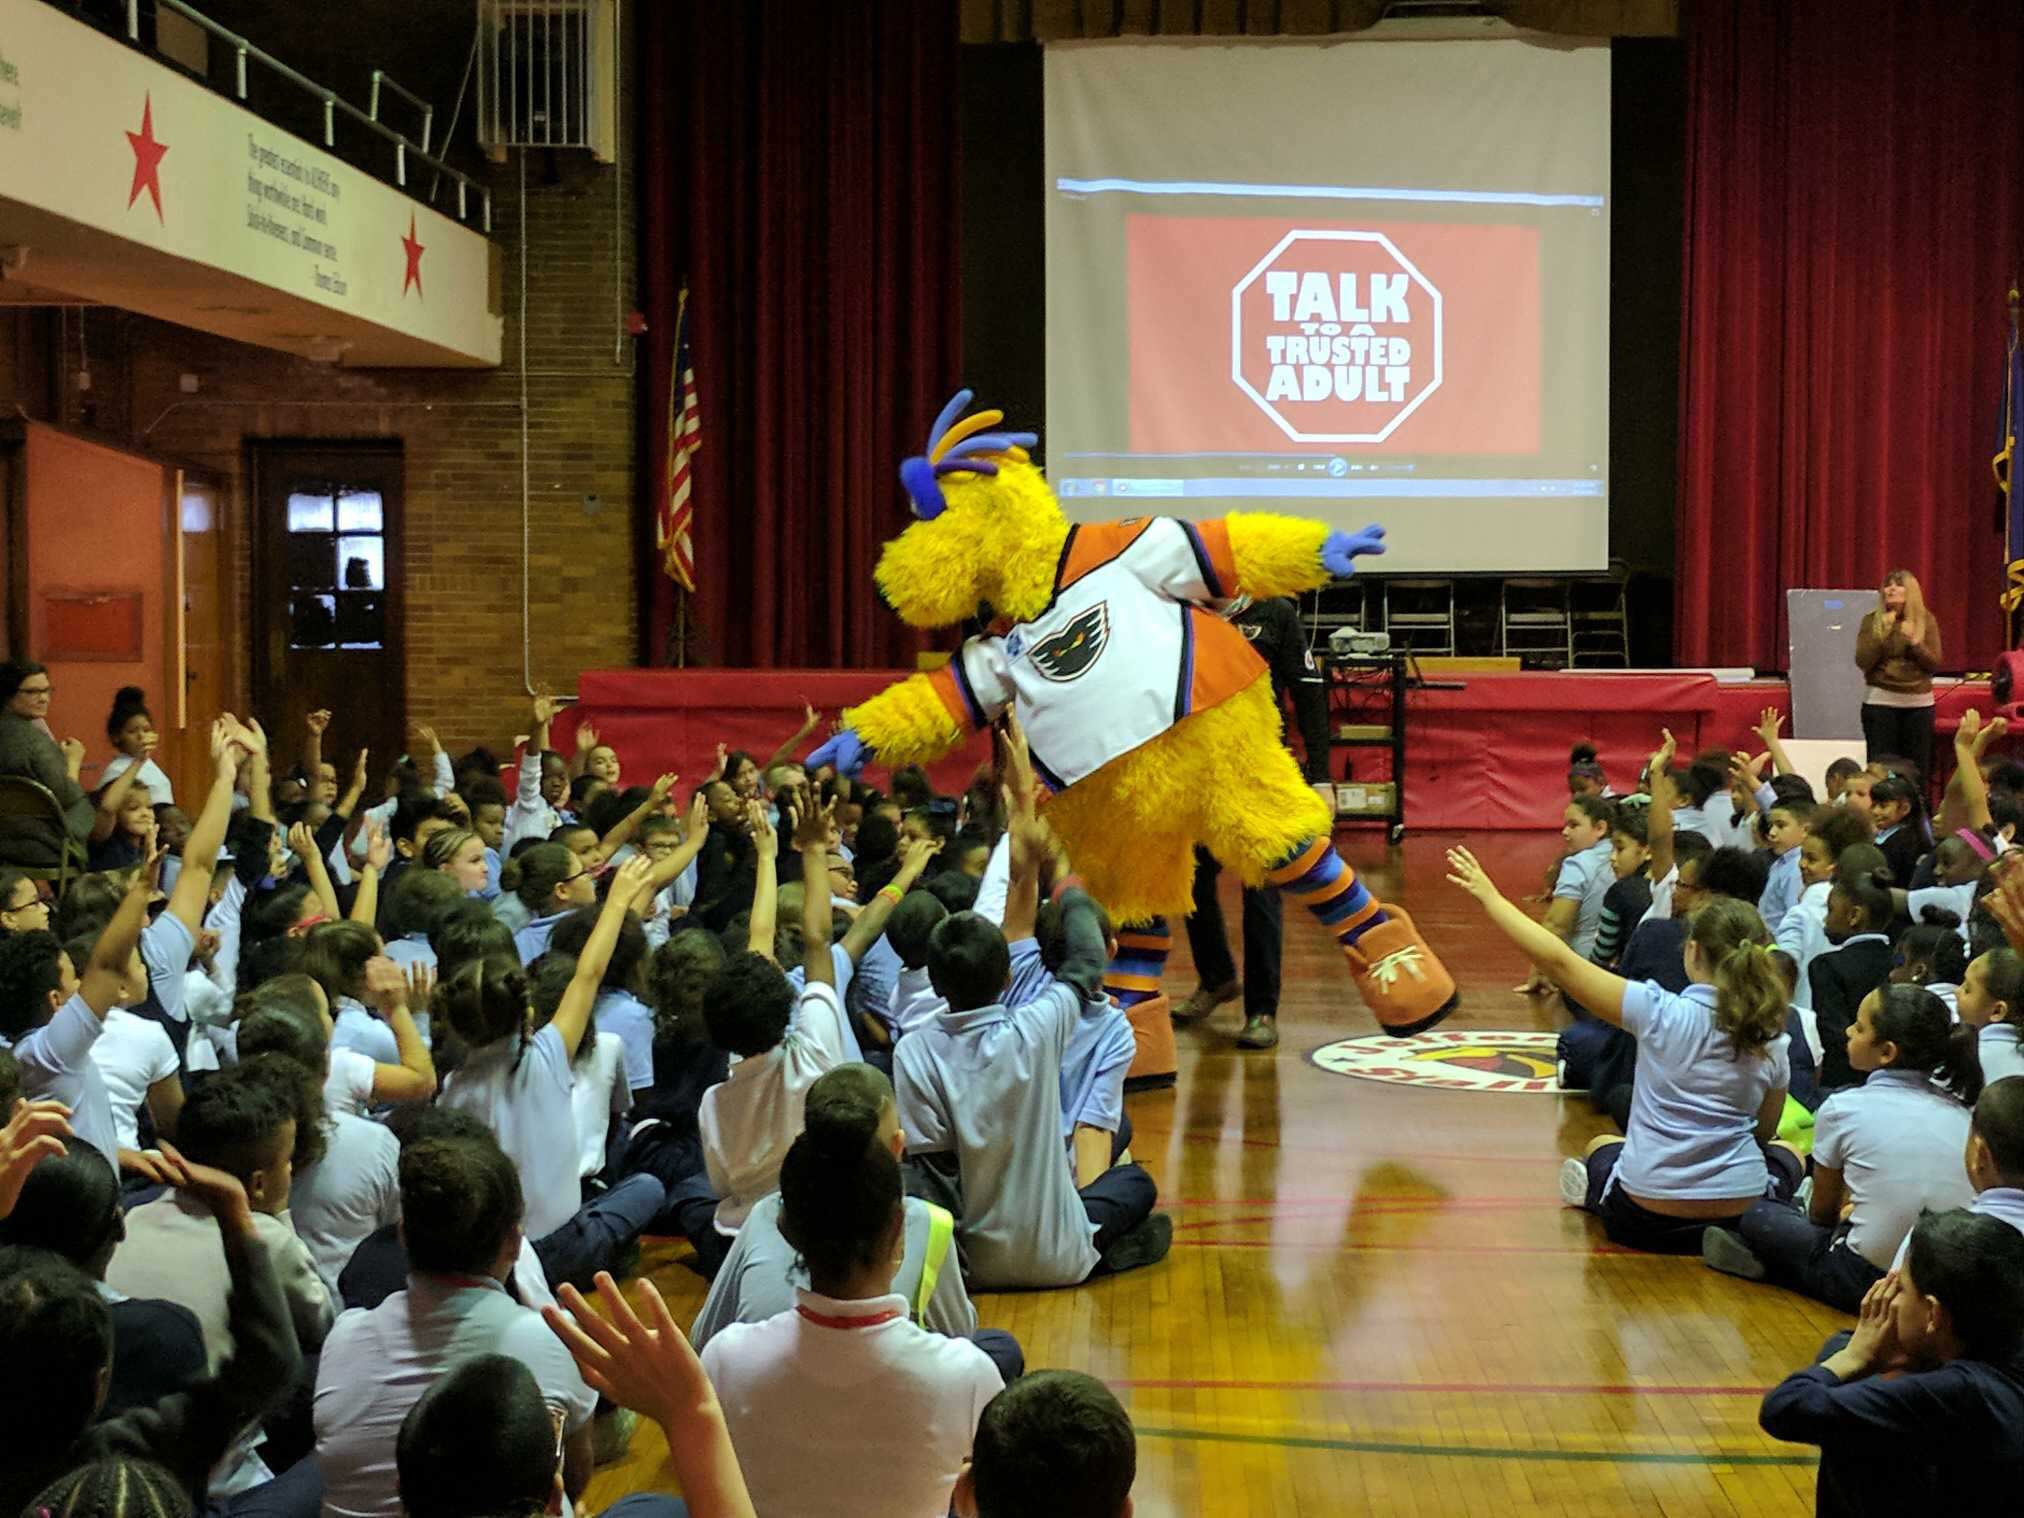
(327, 611)
(200, 676)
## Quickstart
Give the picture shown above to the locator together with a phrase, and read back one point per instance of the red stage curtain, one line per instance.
(1855, 214)
(799, 165)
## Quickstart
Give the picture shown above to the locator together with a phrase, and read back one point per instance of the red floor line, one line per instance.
(1489, 1388)
(1204, 1136)
(1367, 1209)
(1355, 1201)
(1450, 1249)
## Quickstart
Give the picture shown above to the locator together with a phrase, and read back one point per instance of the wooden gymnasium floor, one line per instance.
(1376, 1303)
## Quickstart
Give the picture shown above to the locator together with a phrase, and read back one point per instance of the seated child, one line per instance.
(1958, 866)
(240, 1121)
(518, 1083)
(1055, 1441)
(1859, 915)
(1803, 934)
(1947, 1431)
(980, 1087)
(1629, 895)
(1893, 811)
(908, 930)
(55, 1317)
(843, 1395)
(1933, 953)
(1883, 1153)
(781, 1041)
(762, 1272)
(1992, 1003)
(1995, 1156)
(1712, 1075)
(1585, 775)
(1786, 825)
(51, 1016)
(1582, 880)
(1099, 1053)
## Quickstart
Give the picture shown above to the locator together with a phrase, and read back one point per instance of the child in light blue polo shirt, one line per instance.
(1883, 1153)
(1712, 1072)
(1992, 1002)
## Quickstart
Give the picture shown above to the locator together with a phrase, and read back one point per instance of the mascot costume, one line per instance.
(1150, 719)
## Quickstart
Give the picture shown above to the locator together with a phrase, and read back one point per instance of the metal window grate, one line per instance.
(545, 73)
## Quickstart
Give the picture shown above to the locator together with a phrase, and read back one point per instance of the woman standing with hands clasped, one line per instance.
(1898, 648)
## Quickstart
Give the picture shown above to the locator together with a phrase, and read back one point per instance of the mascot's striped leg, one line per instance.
(1402, 983)
(1142, 949)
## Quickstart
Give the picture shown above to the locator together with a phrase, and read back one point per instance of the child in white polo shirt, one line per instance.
(518, 1082)
(780, 1041)
(1883, 1152)
(844, 1395)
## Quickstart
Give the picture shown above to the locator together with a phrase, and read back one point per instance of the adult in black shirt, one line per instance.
(1273, 626)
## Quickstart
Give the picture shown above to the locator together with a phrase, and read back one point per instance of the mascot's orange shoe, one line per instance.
(1155, 1060)
(1405, 986)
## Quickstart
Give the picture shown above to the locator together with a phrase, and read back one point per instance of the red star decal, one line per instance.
(147, 159)
(414, 249)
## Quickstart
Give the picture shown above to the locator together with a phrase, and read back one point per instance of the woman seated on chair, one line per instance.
(27, 750)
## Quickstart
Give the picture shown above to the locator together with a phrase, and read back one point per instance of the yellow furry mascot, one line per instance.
(1150, 718)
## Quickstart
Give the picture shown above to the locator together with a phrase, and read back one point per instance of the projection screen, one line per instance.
(1355, 279)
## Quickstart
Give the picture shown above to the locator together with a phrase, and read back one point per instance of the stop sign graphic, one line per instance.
(1336, 336)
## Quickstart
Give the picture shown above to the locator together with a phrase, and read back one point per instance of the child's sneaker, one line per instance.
(1723, 1249)
(1405, 986)
(1574, 1182)
(1146, 1244)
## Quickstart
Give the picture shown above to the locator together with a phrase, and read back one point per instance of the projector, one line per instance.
(1356, 643)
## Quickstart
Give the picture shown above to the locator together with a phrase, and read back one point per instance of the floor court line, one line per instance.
(1457, 1250)
(1444, 1388)
(1701, 1458)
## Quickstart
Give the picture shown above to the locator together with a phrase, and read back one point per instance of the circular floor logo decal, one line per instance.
(1465, 1059)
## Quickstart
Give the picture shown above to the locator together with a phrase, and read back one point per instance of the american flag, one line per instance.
(685, 438)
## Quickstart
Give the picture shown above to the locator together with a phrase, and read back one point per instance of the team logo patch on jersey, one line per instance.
(1068, 654)
(1469, 1059)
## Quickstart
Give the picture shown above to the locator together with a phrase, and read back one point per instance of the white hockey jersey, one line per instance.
(1125, 649)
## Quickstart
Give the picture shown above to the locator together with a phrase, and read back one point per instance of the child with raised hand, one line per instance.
(1583, 879)
(980, 1097)
(1946, 1432)
(1992, 1003)
(1859, 913)
(1711, 1077)
(781, 1040)
(51, 1016)
(518, 1081)
(542, 787)
(1883, 1153)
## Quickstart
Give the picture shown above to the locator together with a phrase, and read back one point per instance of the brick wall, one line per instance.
(460, 434)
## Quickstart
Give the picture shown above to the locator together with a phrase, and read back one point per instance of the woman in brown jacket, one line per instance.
(1898, 648)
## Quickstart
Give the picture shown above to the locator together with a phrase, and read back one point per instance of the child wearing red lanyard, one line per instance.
(804, 1449)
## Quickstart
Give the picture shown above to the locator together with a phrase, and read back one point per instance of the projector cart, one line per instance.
(1367, 710)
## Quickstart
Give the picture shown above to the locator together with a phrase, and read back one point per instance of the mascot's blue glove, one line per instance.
(1341, 550)
(846, 752)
